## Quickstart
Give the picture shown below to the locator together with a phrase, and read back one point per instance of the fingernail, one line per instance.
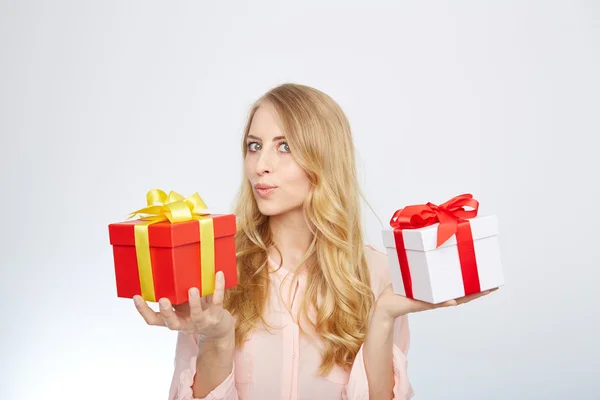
(220, 275)
(137, 301)
(193, 293)
(163, 304)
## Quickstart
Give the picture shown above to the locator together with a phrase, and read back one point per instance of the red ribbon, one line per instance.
(452, 219)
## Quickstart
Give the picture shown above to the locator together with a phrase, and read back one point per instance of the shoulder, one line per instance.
(379, 269)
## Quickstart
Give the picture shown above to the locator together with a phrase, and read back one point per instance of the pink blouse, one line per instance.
(281, 363)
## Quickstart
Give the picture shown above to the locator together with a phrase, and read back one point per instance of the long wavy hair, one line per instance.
(338, 284)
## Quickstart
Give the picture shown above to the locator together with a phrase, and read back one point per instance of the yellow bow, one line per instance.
(173, 208)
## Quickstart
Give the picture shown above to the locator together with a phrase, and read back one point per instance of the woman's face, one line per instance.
(279, 183)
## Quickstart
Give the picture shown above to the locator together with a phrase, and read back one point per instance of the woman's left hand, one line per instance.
(390, 305)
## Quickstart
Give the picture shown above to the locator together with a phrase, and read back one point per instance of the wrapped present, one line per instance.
(173, 245)
(439, 253)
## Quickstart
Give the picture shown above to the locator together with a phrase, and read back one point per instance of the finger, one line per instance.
(216, 306)
(472, 297)
(219, 294)
(449, 303)
(425, 306)
(150, 316)
(171, 319)
(418, 305)
(196, 306)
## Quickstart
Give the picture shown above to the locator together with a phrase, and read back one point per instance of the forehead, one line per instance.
(265, 123)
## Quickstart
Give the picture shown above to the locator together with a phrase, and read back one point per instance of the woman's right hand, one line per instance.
(205, 316)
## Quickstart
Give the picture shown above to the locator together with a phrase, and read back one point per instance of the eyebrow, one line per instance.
(276, 138)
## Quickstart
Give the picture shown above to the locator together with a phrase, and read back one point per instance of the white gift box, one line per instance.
(436, 272)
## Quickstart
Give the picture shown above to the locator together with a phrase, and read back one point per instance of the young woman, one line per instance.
(314, 315)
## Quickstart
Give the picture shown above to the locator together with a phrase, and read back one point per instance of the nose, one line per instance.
(264, 165)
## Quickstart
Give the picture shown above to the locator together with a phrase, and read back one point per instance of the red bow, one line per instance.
(447, 214)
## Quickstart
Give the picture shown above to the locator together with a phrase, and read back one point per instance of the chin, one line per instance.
(270, 208)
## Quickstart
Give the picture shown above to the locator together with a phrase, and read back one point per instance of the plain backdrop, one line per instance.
(104, 100)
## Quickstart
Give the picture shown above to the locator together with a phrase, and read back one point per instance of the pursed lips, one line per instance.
(264, 190)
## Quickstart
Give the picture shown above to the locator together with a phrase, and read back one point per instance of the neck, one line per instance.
(292, 237)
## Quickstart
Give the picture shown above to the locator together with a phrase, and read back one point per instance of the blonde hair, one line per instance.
(338, 285)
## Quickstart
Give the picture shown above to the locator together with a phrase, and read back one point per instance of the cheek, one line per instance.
(299, 182)
(248, 167)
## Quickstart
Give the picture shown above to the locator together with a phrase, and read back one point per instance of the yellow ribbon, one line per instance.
(174, 208)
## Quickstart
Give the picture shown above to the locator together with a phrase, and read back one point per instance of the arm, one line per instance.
(378, 358)
(214, 364)
(197, 372)
(380, 367)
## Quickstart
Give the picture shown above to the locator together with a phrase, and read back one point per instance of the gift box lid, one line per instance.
(166, 234)
(425, 239)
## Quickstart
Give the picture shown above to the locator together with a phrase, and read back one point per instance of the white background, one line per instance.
(102, 101)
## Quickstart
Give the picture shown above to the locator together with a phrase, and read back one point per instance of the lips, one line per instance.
(262, 186)
(264, 190)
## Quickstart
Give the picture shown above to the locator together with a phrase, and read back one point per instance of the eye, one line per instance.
(253, 146)
(283, 146)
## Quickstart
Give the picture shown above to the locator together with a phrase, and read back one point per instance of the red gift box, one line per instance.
(171, 257)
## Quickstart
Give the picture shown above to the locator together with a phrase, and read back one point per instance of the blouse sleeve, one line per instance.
(185, 370)
(357, 387)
